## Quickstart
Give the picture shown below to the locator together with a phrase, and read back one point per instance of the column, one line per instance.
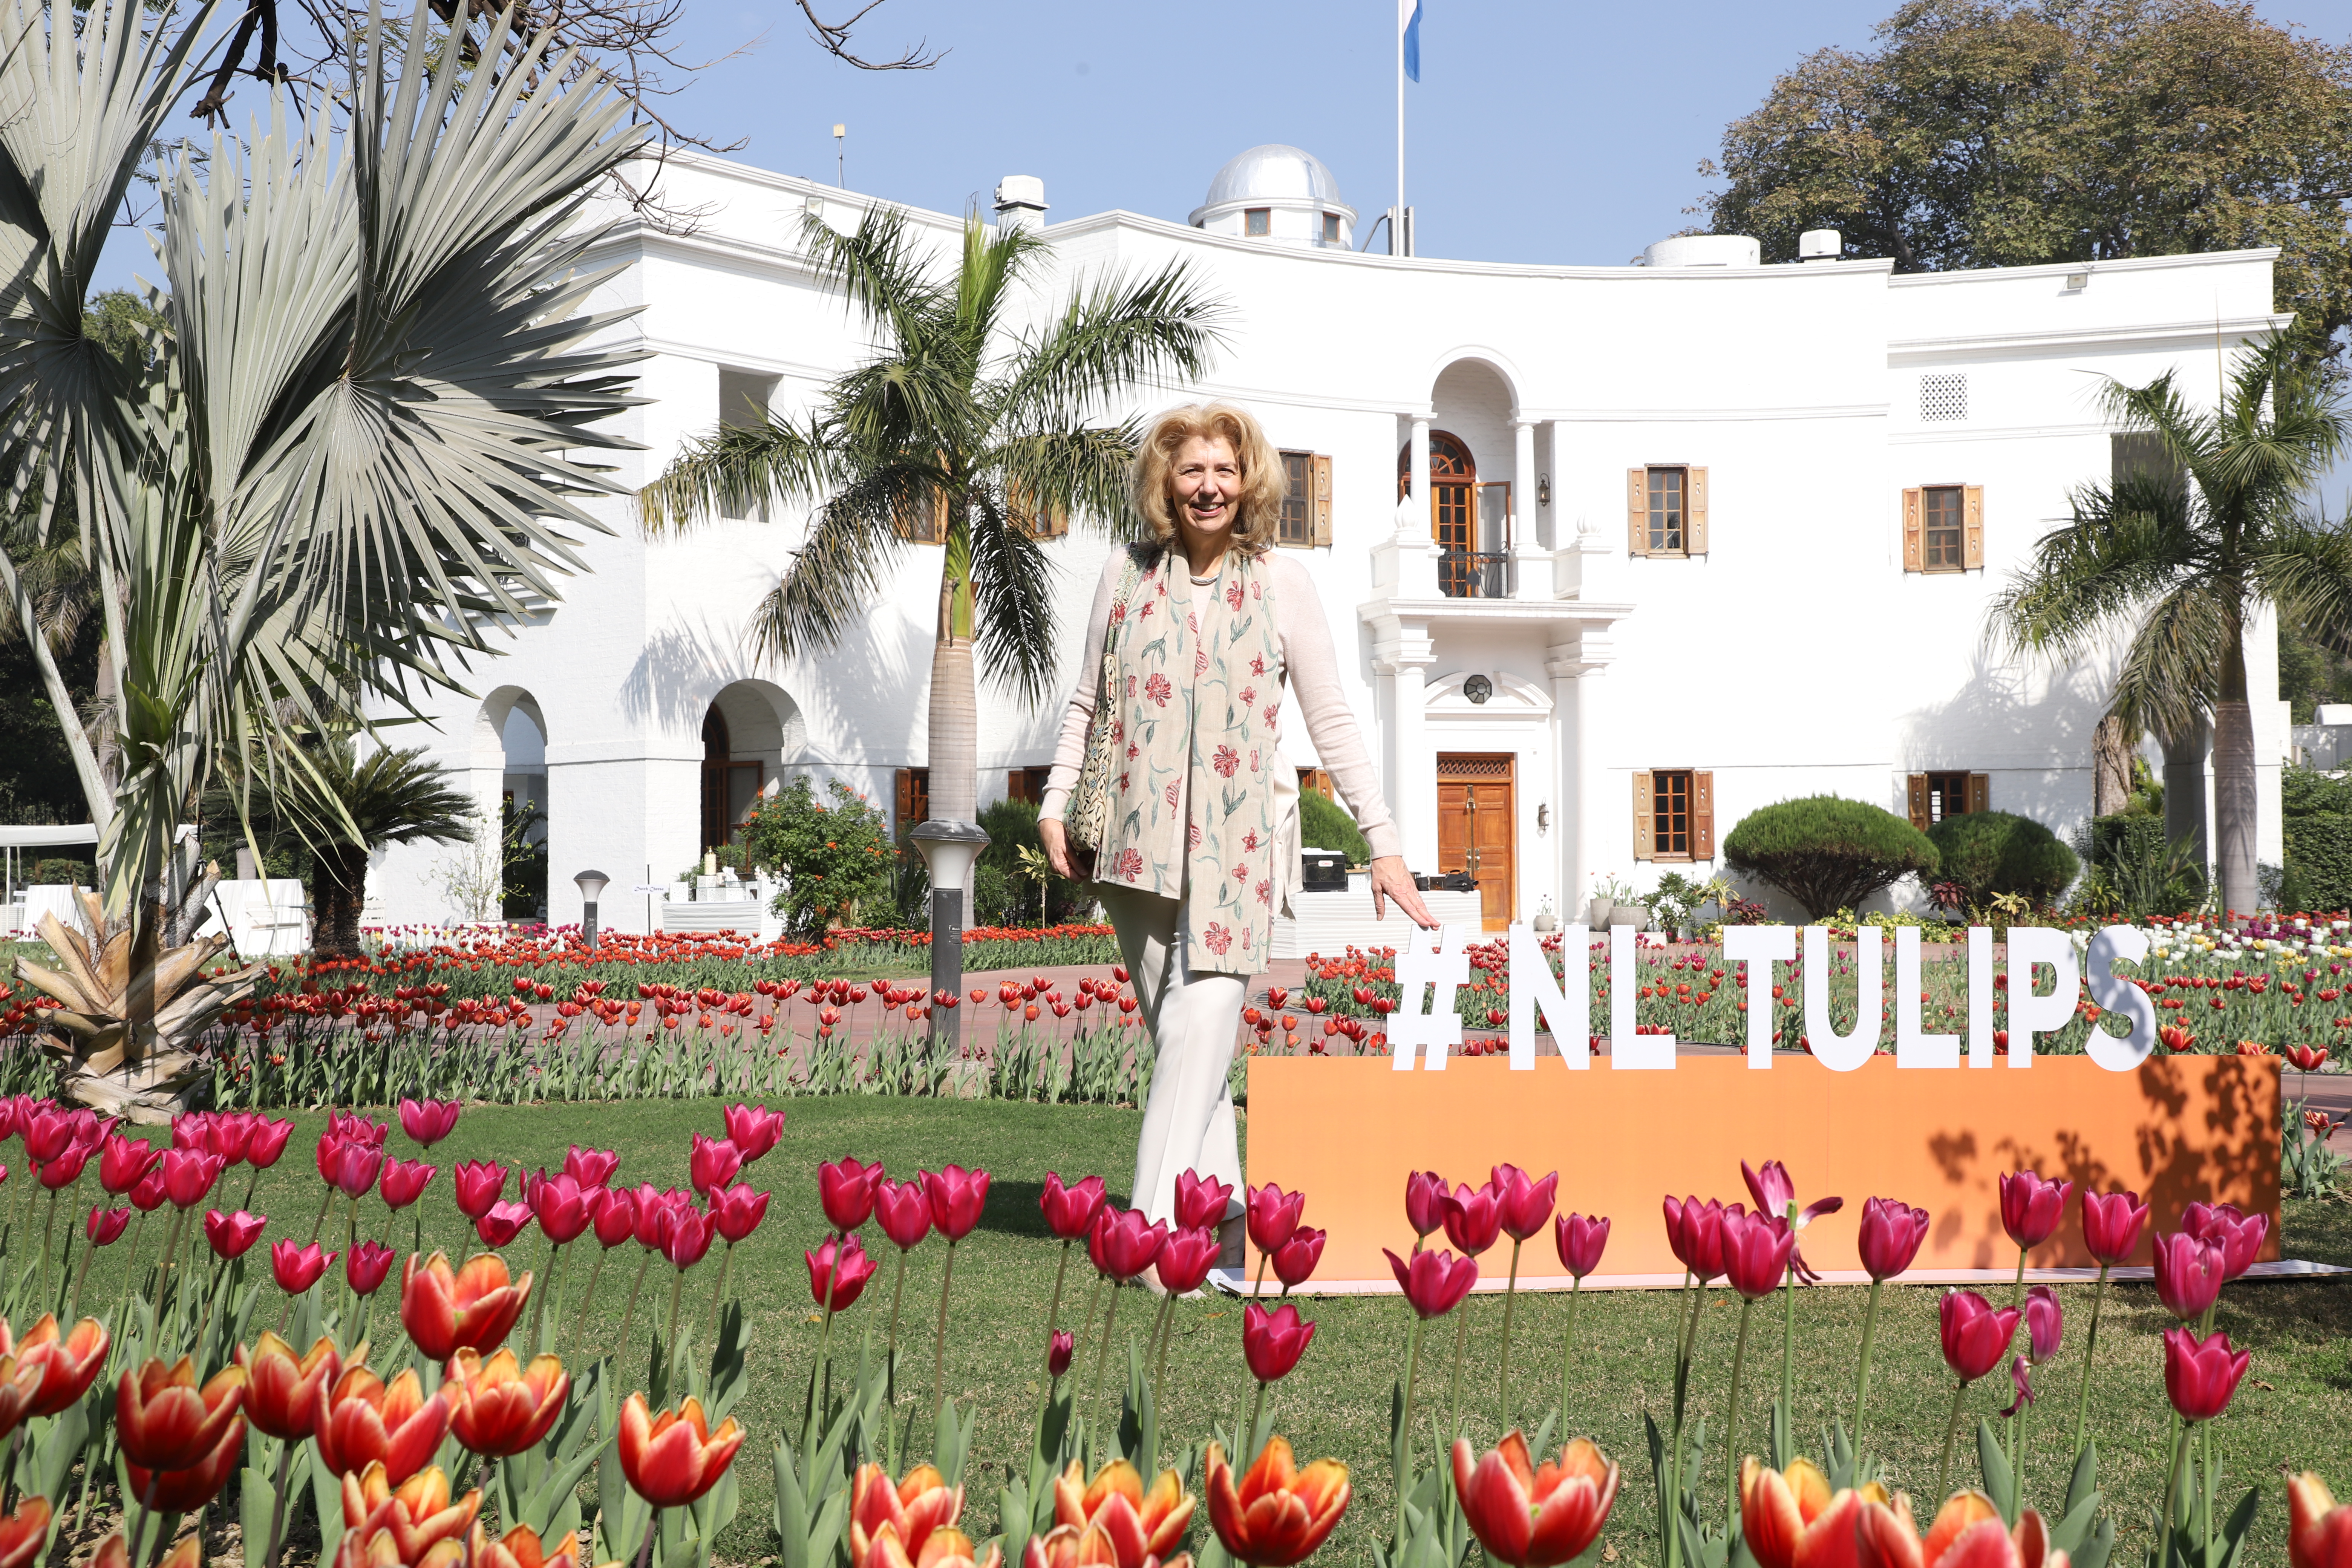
(1535, 582)
(1421, 478)
(1575, 669)
(1403, 661)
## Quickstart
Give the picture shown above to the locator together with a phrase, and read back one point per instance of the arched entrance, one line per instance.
(729, 787)
(752, 732)
(1474, 562)
(503, 876)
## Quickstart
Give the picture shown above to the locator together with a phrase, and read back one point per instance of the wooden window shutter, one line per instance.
(1694, 512)
(906, 793)
(1917, 794)
(1637, 510)
(1979, 792)
(1702, 825)
(1972, 528)
(1645, 804)
(1012, 786)
(1322, 513)
(1915, 531)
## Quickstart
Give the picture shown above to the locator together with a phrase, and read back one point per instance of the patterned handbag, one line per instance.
(1087, 820)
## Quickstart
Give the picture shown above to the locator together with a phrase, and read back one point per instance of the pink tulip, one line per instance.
(690, 1233)
(2030, 1207)
(753, 1128)
(591, 1167)
(231, 1235)
(405, 1182)
(479, 1185)
(1295, 1260)
(233, 1134)
(1892, 1231)
(429, 1121)
(2111, 1225)
(298, 1267)
(269, 1141)
(616, 1216)
(105, 1226)
(1975, 1336)
(1273, 1216)
(1580, 1241)
(1059, 1348)
(1121, 1246)
(188, 1177)
(839, 1269)
(1273, 1342)
(1473, 1217)
(2188, 1274)
(1183, 1264)
(67, 1168)
(957, 1197)
(1070, 1210)
(502, 1223)
(1424, 1202)
(1199, 1200)
(1434, 1281)
(737, 1211)
(903, 1210)
(2201, 1376)
(357, 1165)
(1756, 1250)
(366, 1266)
(2239, 1235)
(714, 1163)
(1696, 1234)
(1525, 1204)
(2045, 1323)
(561, 1205)
(845, 1188)
(49, 1135)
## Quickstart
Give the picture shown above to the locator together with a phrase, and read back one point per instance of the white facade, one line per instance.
(1797, 656)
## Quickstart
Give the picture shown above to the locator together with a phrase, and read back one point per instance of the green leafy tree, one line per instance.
(2010, 133)
(2175, 560)
(836, 859)
(1826, 852)
(964, 416)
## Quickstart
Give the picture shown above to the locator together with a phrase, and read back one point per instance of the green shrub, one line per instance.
(1009, 896)
(2316, 812)
(1991, 852)
(836, 858)
(2134, 872)
(1324, 824)
(1826, 852)
(55, 871)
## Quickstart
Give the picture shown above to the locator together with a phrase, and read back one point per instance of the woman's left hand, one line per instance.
(1391, 880)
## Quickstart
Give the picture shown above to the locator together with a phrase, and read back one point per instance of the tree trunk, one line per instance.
(2111, 771)
(339, 889)
(97, 794)
(2235, 801)
(2184, 789)
(954, 720)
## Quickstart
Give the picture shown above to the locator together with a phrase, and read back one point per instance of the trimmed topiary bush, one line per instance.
(1828, 853)
(1323, 823)
(1990, 852)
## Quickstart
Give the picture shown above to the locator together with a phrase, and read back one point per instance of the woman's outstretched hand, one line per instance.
(1391, 879)
(1057, 848)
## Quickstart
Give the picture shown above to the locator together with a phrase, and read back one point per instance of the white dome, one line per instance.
(1273, 171)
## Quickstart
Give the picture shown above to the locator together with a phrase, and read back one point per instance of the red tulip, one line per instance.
(1473, 1217)
(367, 1265)
(1121, 1246)
(1892, 1231)
(2319, 1533)
(1060, 1346)
(498, 1407)
(404, 1181)
(357, 1129)
(753, 1128)
(1756, 1251)
(105, 1227)
(1201, 1200)
(360, 1421)
(714, 1163)
(841, 1265)
(1294, 1262)
(63, 1171)
(1273, 1342)
(2188, 1275)
(298, 1267)
(615, 1215)
(1183, 1263)
(1273, 1216)
(957, 1197)
(1070, 1210)
(1975, 1336)
(49, 1134)
(123, 1164)
(230, 1235)
(1532, 1518)
(2045, 1323)
(655, 1210)
(68, 1366)
(328, 1157)
(689, 1234)
(165, 1421)
(502, 1222)
(2030, 1207)
(1580, 1242)
(737, 1211)
(479, 1185)
(1112, 1521)
(903, 1210)
(281, 1393)
(446, 1311)
(2239, 1235)
(1525, 1204)
(232, 1134)
(561, 1205)
(188, 1177)
(183, 1490)
(25, 1533)
(2310, 1058)
(591, 1167)
(1279, 1514)
(1433, 1281)
(2201, 1375)
(2111, 1225)
(1424, 1202)
(1969, 1533)
(1696, 1234)
(149, 1195)
(908, 1513)
(1792, 1519)
(672, 1460)
(429, 1121)
(1775, 1191)
(269, 1141)
(845, 1188)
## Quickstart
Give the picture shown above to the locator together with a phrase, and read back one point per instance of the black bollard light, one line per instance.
(592, 887)
(950, 849)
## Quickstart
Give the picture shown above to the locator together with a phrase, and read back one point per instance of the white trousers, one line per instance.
(1188, 1122)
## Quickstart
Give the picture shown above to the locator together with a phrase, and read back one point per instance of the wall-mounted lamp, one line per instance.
(1543, 819)
(1543, 489)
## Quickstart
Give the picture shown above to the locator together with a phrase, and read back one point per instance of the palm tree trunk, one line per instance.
(954, 748)
(341, 884)
(2234, 795)
(2184, 788)
(2111, 771)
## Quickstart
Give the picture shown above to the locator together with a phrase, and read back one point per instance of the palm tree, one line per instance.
(344, 456)
(962, 416)
(2175, 562)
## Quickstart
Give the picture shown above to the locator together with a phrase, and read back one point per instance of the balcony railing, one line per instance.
(1474, 573)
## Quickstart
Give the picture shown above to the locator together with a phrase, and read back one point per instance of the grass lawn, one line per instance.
(2295, 1409)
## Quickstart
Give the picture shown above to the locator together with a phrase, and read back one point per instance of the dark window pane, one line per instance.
(1944, 520)
(1298, 473)
(1670, 811)
(1666, 509)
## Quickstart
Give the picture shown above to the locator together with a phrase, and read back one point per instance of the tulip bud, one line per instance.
(1059, 1349)
(957, 1196)
(479, 1185)
(405, 1182)
(366, 1266)
(838, 1270)
(753, 1128)
(1273, 1342)
(269, 1141)
(231, 1235)
(1199, 1200)
(616, 1216)
(1892, 1231)
(1434, 1281)
(429, 1121)
(1069, 1211)
(903, 1210)
(1580, 1241)
(2111, 1225)
(1424, 1202)
(2030, 1207)
(845, 1188)
(2201, 1376)
(1294, 1263)
(714, 1163)
(1274, 1215)
(105, 1226)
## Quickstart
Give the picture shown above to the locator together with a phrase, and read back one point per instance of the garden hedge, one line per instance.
(2316, 811)
(1828, 853)
(1324, 824)
(1993, 852)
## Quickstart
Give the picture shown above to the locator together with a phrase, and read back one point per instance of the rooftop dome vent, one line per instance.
(1278, 192)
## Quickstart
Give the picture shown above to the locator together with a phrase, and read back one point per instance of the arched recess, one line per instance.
(752, 732)
(510, 787)
(1453, 496)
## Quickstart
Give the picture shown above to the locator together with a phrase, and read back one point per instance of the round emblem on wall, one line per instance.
(1477, 689)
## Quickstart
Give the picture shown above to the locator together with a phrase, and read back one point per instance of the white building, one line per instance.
(1686, 538)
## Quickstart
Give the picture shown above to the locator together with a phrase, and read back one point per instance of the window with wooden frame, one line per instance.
(922, 524)
(1305, 500)
(1040, 521)
(1330, 228)
(1665, 510)
(1674, 815)
(913, 796)
(1936, 796)
(1943, 528)
(1027, 783)
(1257, 222)
(1316, 780)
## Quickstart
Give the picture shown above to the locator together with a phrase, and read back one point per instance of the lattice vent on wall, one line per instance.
(1943, 398)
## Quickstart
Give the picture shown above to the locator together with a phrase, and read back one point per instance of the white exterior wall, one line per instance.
(1797, 657)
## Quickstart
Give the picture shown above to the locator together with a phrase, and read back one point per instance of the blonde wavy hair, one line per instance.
(1264, 483)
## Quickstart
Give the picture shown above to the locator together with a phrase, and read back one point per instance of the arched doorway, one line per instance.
(729, 787)
(1472, 567)
(503, 875)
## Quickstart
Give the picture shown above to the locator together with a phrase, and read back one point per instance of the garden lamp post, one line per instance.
(949, 850)
(592, 887)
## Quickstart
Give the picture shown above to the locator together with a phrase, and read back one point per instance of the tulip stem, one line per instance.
(1567, 1345)
(1054, 1312)
(629, 1314)
(1672, 1503)
(319, 1224)
(49, 1234)
(131, 1283)
(1951, 1436)
(669, 1340)
(277, 1504)
(579, 1324)
(1502, 1383)
(939, 1346)
(2090, 1349)
(212, 1295)
(1731, 1421)
(1259, 1284)
(1404, 1433)
(1861, 1374)
(539, 1295)
(890, 1354)
(1453, 1381)
(1249, 1438)
(81, 1274)
(2171, 1491)
(1787, 1351)
(726, 1262)
(2205, 1448)
(1102, 1354)
(1085, 1330)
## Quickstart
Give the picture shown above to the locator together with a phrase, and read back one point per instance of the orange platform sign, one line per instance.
(2175, 1130)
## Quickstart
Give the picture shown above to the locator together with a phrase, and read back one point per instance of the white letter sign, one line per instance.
(2029, 1013)
(2117, 994)
(1847, 1053)
(1759, 947)
(1630, 1050)
(1439, 958)
(1566, 1004)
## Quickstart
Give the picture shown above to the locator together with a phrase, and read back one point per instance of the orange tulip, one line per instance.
(471, 1309)
(68, 1366)
(946, 1547)
(1280, 1514)
(521, 1547)
(24, 1532)
(113, 1553)
(1113, 1521)
(359, 1421)
(496, 1407)
(414, 1523)
(192, 1486)
(1534, 1517)
(1792, 1519)
(20, 1382)
(165, 1422)
(281, 1394)
(917, 1506)
(2319, 1533)
(672, 1458)
(1967, 1533)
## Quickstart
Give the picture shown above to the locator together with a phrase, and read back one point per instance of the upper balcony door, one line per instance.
(1470, 522)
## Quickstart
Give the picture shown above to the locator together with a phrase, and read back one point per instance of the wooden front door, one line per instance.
(1476, 829)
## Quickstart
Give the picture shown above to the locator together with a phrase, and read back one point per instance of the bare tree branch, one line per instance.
(833, 37)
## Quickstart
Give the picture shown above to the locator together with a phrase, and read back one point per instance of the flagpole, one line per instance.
(1396, 215)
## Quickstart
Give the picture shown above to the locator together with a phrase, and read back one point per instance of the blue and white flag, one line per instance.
(1408, 24)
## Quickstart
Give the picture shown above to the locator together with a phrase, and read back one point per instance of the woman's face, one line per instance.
(1204, 486)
